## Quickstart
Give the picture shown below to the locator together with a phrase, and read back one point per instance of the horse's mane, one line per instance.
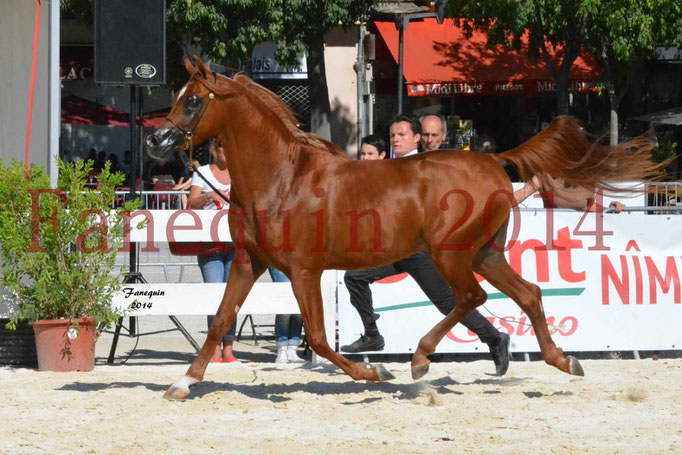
(283, 113)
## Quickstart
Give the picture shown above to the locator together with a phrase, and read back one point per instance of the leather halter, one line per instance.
(189, 145)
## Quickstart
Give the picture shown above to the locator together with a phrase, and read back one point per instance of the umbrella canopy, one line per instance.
(79, 111)
(440, 60)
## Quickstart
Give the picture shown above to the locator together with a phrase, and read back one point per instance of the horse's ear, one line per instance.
(201, 67)
(188, 66)
(207, 68)
(197, 62)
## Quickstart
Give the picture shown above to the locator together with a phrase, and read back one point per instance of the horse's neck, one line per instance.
(265, 161)
(260, 162)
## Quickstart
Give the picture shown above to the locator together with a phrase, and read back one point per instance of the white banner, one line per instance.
(145, 299)
(158, 226)
(620, 293)
(201, 298)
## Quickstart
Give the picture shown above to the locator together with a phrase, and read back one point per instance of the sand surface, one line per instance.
(619, 407)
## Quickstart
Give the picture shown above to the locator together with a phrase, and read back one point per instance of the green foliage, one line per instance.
(621, 34)
(548, 24)
(227, 30)
(666, 148)
(81, 10)
(626, 29)
(65, 268)
(559, 23)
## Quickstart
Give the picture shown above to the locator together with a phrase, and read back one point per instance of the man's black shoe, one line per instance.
(365, 343)
(500, 354)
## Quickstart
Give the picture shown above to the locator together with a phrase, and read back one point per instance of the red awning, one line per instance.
(154, 119)
(438, 60)
(79, 111)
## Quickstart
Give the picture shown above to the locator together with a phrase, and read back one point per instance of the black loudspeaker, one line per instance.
(130, 42)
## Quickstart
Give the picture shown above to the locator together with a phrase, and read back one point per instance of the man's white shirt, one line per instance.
(413, 152)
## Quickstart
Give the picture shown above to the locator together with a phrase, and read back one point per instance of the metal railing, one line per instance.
(160, 200)
(663, 196)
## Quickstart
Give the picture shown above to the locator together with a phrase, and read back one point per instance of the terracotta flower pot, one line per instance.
(65, 344)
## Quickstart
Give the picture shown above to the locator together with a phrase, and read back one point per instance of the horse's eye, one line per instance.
(193, 101)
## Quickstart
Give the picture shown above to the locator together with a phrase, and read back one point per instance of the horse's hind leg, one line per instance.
(306, 287)
(241, 280)
(493, 266)
(469, 294)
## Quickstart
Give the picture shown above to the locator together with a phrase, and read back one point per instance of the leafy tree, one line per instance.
(622, 34)
(229, 29)
(551, 24)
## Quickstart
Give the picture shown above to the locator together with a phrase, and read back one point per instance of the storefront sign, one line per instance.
(265, 66)
(75, 63)
(444, 89)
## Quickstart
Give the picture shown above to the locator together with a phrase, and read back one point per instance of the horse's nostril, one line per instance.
(153, 141)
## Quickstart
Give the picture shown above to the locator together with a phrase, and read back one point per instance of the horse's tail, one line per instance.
(564, 150)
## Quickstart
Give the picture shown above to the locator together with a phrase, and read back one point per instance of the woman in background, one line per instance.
(215, 262)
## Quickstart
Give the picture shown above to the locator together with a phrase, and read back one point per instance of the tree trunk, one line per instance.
(320, 109)
(614, 102)
(613, 127)
(562, 91)
(617, 92)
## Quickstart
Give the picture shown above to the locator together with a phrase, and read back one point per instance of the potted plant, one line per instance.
(59, 249)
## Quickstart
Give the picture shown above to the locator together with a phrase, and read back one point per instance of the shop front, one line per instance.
(503, 95)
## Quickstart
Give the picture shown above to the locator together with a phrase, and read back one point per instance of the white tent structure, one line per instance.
(671, 116)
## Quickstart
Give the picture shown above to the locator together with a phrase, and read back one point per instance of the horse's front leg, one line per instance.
(239, 284)
(306, 287)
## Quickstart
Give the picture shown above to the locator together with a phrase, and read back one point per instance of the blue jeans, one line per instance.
(287, 326)
(215, 268)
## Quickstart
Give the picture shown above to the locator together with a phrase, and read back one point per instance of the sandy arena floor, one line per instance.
(619, 407)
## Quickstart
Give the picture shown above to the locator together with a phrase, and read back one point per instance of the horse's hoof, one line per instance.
(419, 371)
(383, 373)
(574, 367)
(176, 393)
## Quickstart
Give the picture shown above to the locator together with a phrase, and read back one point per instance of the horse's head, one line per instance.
(191, 115)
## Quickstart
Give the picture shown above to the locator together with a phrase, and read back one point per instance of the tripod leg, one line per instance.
(185, 333)
(114, 342)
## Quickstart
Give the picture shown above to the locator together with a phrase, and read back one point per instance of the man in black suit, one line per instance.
(405, 138)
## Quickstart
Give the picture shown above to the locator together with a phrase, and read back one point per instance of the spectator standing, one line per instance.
(288, 328)
(215, 263)
(434, 132)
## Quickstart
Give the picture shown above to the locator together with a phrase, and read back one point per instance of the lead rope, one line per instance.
(189, 146)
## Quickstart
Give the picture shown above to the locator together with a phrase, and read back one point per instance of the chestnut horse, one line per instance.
(299, 204)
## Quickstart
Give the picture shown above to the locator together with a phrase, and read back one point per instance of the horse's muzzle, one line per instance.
(161, 142)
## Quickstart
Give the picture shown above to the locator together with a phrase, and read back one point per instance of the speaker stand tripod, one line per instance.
(134, 276)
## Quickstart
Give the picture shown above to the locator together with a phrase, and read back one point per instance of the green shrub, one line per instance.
(59, 246)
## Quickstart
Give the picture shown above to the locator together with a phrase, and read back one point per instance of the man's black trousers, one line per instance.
(422, 270)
